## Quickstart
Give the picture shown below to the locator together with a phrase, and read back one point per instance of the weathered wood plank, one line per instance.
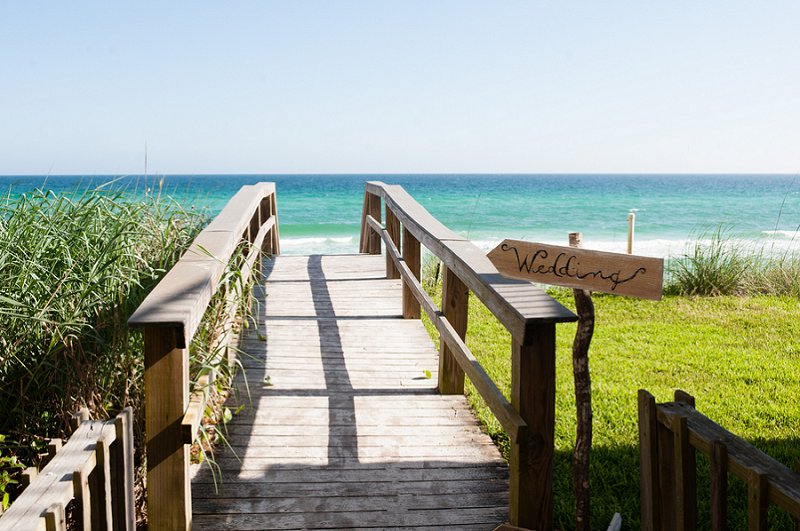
(347, 520)
(166, 383)
(347, 429)
(719, 486)
(256, 489)
(648, 462)
(455, 307)
(472, 266)
(333, 501)
(411, 256)
(56, 481)
(572, 267)
(531, 463)
(122, 465)
(742, 458)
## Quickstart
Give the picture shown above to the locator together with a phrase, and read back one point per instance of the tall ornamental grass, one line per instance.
(72, 270)
(715, 264)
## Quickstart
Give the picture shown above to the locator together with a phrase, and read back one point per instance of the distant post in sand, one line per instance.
(631, 222)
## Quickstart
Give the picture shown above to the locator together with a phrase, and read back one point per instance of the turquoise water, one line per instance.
(321, 213)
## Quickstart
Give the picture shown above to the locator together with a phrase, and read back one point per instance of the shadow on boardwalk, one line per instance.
(345, 430)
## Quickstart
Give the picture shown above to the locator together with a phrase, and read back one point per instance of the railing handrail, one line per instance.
(670, 433)
(183, 295)
(517, 304)
(94, 467)
(525, 310)
(170, 316)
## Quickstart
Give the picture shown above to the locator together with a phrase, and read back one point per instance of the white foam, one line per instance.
(781, 244)
(781, 233)
(666, 248)
(319, 245)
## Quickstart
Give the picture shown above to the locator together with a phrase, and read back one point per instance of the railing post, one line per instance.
(275, 233)
(533, 395)
(374, 211)
(666, 477)
(411, 255)
(719, 486)
(648, 462)
(166, 386)
(122, 472)
(455, 302)
(100, 485)
(393, 228)
(363, 245)
(685, 473)
(263, 215)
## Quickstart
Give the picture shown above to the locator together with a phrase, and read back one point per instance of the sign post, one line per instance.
(584, 307)
(584, 271)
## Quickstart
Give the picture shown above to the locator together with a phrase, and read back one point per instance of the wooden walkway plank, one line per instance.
(344, 426)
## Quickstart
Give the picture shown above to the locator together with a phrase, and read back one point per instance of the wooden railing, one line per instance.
(170, 316)
(525, 310)
(670, 435)
(94, 468)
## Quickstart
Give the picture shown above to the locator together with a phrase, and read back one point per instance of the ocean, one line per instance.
(321, 213)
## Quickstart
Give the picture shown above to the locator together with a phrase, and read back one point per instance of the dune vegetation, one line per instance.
(73, 268)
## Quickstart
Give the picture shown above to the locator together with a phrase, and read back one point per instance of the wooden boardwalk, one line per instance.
(345, 428)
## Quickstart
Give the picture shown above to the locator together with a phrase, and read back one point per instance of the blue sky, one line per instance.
(407, 86)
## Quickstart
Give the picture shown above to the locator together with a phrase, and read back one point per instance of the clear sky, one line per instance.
(406, 86)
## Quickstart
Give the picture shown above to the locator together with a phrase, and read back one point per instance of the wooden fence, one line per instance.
(526, 311)
(94, 468)
(670, 435)
(170, 316)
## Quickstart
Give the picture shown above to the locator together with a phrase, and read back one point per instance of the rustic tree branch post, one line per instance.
(584, 307)
(581, 270)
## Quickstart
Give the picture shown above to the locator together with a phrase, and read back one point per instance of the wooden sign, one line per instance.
(620, 274)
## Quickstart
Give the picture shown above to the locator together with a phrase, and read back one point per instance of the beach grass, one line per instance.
(716, 264)
(738, 355)
(73, 268)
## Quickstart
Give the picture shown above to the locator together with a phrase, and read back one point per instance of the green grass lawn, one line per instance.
(739, 356)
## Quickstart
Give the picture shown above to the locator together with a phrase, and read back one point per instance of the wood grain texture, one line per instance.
(346, 428)
(719, 486)
(454, 357)
(411, 256)
(374, 210)
(455, 300)
(518, 305)
(66, 476)
(166, 386)
(584, 307)
(648, 462)
(393, 227)
(620, 274)
(181, 298)
(533, 394)
(744, 460)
